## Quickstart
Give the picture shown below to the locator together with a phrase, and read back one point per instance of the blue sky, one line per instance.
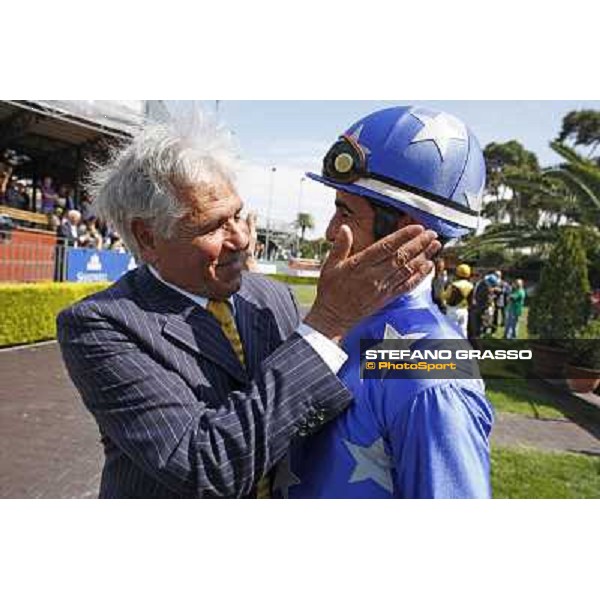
(293, 136)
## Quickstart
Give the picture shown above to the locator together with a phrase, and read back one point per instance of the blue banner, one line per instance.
(85, 265)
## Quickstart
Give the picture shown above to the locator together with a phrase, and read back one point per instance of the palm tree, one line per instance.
(303, 222)
(567, 194)
(581, 176)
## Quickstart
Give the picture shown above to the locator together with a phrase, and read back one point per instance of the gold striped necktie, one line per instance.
(221, 311)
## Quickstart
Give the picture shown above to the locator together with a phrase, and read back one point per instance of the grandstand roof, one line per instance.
(57, 134)
(37, 128)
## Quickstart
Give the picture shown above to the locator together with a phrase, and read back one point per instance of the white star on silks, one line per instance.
(284, 477)
(440, 130)
(373, 463)
(390, 333)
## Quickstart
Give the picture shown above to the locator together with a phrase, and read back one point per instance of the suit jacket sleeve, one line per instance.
(158, 421)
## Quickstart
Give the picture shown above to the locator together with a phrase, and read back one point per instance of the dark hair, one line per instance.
(385, 221)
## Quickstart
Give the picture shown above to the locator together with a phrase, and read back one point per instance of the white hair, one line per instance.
(141, 180)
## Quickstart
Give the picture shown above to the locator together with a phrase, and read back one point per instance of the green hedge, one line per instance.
(28, 310)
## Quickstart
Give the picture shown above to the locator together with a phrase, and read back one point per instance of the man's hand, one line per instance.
(354, 287)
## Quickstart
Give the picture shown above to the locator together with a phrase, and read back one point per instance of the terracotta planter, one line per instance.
(548, 361)
(580, 380)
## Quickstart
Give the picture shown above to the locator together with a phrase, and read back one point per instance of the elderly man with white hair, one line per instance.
(69, 229)
(198, 373)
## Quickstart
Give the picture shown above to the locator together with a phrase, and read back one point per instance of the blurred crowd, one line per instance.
(72, 219)
(477, 303)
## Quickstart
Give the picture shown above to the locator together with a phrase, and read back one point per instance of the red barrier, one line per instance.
(27, 255)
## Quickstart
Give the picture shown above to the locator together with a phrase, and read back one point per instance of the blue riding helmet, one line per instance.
(425, 163)
(492, 279)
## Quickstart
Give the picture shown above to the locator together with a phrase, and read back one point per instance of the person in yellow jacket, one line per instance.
(457, 298)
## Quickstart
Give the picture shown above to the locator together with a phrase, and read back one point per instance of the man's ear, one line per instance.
(145, 238)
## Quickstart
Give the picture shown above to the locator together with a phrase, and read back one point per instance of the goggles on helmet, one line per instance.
(346, 161)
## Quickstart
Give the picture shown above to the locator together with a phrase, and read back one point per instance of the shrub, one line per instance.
(585, 349)
(561, 305)
(28, 310)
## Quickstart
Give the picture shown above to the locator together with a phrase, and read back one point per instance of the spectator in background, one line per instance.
(5, 174)
(90, 237)
(440, 281)
(457, 297)
(49, 196)
(115, 243)
(56, 219)
(482, 307)
(69, 228)
(260, 250)
(65, 198)
(516, 303)
(15, 195)
(502, 295)
(85, 205)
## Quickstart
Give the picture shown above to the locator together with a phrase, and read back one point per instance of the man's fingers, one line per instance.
(341, 246)
(392, 279)
(401, 246)
(408, 276)
(414, 248)
(433, 248)
(388, 245)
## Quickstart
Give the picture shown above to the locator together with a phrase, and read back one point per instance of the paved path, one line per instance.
(49, 443)
(545, 434)
(50, 448)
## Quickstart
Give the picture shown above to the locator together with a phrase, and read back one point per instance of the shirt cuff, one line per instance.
(333, 356)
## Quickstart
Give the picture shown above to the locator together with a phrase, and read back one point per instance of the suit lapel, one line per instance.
(188, 324)
(201, 334)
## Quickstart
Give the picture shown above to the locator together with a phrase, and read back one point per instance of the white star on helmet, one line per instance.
(440, 130)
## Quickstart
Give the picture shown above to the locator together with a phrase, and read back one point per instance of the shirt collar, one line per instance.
(197, 299)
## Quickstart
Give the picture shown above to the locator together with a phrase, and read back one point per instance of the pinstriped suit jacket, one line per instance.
(178, 414)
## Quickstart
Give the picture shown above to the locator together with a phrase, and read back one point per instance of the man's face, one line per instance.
(205, 254)
(358, 214)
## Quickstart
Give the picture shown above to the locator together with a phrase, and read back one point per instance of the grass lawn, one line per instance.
(524, 473)
(305, 294)
(521, 330)
(523, 397)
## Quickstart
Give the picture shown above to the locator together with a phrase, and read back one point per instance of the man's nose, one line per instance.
(332, 230)
(239, 237)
